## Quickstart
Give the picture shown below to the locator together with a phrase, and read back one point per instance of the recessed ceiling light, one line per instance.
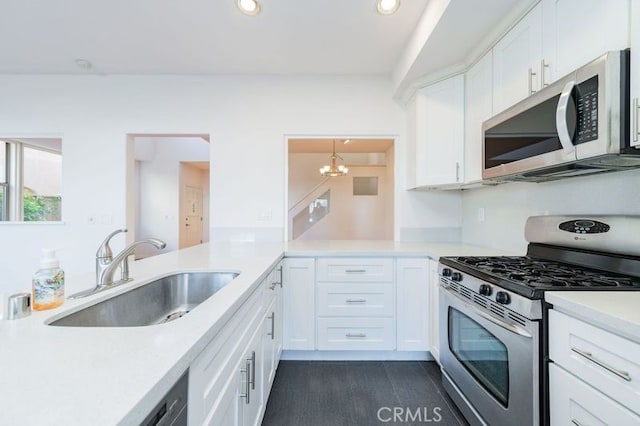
(84, 64)
(388, 7)
(249, 7)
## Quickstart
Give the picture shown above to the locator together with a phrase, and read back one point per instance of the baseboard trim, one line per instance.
(289, 355)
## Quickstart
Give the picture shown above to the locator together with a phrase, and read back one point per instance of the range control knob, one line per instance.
(446, 272)
(503, 298)
(456, 276)
(485, 290)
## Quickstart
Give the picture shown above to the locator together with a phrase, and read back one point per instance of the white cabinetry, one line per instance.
(578, 31)
(434, 295)
(298, 277)
(594, 378)
(215, 379)
(478, 108)
(439, 133)
(516, 61)
(230, 380)
(272, 327)
(553, 39)
(413, 310)
(635, 75)
(356, 304)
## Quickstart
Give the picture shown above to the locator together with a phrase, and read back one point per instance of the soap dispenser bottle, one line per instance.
(48, 283)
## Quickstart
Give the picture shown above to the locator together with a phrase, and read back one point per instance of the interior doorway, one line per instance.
(168, 190)
(358, 205)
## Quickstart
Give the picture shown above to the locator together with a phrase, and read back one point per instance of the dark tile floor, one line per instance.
(362, 393)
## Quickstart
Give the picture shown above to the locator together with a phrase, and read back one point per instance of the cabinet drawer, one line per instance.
(355, 269)
(606, 361)
(355, 299)
(573, 402)
(356, 334)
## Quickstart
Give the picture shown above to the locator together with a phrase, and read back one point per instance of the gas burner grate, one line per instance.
(547, 274)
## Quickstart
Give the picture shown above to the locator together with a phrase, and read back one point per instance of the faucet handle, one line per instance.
(104, 251)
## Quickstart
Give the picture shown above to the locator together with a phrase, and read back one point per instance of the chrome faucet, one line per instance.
(106, 263)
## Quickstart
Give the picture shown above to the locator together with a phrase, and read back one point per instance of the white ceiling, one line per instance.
(203, 36)
(289, 37)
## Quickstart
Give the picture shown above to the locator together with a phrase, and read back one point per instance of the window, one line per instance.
(365, 185)
(31, 180)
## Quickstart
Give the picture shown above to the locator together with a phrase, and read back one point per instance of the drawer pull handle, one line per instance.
(622, 374)
(247, 372)
(356, 335)
(575, 422)
(355, 271)
(272, 317)
(356, 300)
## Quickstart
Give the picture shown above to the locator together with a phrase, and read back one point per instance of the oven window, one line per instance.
(481, 353)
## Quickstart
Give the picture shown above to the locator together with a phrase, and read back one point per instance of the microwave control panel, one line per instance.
(584, 226)
(587, 110)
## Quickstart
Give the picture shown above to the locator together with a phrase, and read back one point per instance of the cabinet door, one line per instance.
(434, 312)
(269, 346)
(578, 31)
(412, 284)
(252, 399)
(516, 61)
(478, 108)
(279, 318)
(574, 402)
(298, 283)
(440, 133)
(635, 76)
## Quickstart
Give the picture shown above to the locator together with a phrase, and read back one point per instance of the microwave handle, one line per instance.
(561, 119)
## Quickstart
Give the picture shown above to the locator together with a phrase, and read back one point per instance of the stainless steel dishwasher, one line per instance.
(172, 409)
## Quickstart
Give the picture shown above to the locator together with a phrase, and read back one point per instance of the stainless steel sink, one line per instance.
(157, 302)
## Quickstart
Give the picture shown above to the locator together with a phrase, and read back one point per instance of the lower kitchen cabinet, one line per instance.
(298, 278)
(413, 310)
(593, 374)
(230, 381)
(434, 311)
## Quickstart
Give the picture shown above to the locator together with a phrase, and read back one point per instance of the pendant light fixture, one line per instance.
(334, 170)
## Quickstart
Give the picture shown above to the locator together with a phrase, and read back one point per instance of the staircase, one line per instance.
(310, 210)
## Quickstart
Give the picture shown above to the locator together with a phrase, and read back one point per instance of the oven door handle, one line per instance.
(510, 327)
(507, 326)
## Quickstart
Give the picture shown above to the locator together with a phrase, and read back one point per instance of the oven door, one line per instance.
(492, 364)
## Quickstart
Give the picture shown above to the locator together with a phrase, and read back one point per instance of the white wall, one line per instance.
(248, 119)
(351, 217)
(158, 214)
(507, 206)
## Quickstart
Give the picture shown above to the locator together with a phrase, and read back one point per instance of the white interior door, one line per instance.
(192, 223)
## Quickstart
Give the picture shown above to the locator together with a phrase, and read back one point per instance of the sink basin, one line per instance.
(158, 302)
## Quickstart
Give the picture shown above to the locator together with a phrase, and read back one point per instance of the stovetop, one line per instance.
(531, 277)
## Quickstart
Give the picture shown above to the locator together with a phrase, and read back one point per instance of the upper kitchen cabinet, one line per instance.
(439, 133)
(577, 31)
(635, 76)
(517, 58)
(478, 108)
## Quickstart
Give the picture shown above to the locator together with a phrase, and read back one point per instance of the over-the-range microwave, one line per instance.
(576, 126)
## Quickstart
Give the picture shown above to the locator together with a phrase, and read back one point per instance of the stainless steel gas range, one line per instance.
(492, 311)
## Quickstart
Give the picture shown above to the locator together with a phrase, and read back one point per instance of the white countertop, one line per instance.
(301, 248)
(105, 376)
(616, 311)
